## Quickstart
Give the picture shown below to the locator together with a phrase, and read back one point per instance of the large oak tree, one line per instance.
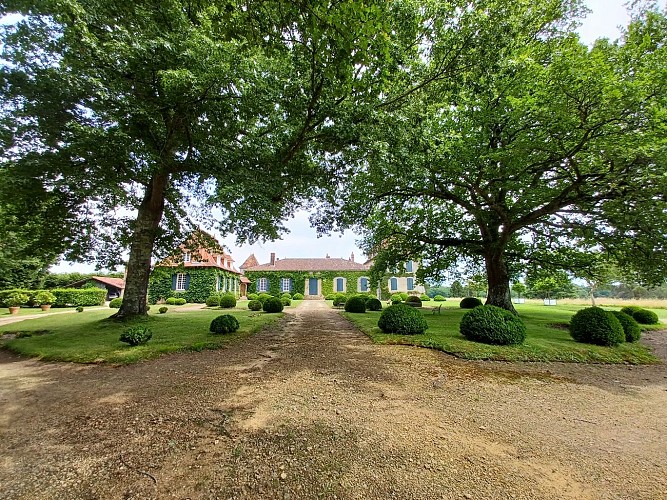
(541, 144)
(144, 114)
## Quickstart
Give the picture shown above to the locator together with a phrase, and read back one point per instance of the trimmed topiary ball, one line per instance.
(439, 298)
(630, 327)
(331, 296)
(262, 297)
(373, 304)
(297, 296)
(286, 302)
(286, 295)
(339, 299)
(116, 303)
(213, 301)
(425, 298)
(645, 317)
(356, 304)
(594, 325)
(402, 319)
(397, 298)
(413, 301)
(253, 296)
(170, 301)
(492, 325)
(404, 296)
(163, 310)
(470, 303)
(630, 310)
(255, 305)
(79, 309)
(224, 324)
(272, 305)
(227, 301)
(180, 302)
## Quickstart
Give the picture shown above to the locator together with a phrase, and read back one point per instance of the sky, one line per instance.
(603, 22)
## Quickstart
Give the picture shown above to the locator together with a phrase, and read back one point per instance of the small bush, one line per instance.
(180, 302)
(224, 324)
(339, 299)
(630, 326)
(414, 301)
(79, 309)
(403, 320)
(645, 317)
(213, 301)
(272, 305)
(286, 295)
(356, 304)
(439, 298)
(470, 303)
(331, 296)
(630, 310)
(163, 310)
(227, 301)
(263, 297)
(253, 296)
(397, 298)
(255, 305)
(594, 325)
(286, 302)
(404, 296)
(116, 303)
(16, 299)
(44, 298)
(492, 325)
(373, 304)
(136, 335)
(298, 296)
(170, 301)
(425, 298)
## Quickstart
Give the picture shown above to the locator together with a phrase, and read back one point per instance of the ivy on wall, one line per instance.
(201, 286)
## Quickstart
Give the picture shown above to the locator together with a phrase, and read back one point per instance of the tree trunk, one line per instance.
(499, 281)
(141, 250)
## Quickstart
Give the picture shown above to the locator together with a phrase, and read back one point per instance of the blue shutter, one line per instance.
(173, 282)
(187, 281)
(339, 284)
(291, 284)
(411, 284)
(408, 267)
(364, 285)
(394, 284)
(257, 286)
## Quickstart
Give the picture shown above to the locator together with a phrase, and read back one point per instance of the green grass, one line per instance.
(543, 343)
(90, 337)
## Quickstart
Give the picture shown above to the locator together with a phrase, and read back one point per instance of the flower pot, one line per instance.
(14, 309)
(45, 307)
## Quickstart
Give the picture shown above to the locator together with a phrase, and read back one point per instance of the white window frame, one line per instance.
(187, 257)
(344, 290)
(284, 284)
(407, 284)
(180, 282)
(368, 284)
(263, 285)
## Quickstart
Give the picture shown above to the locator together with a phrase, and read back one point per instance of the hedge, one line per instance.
(64, 296)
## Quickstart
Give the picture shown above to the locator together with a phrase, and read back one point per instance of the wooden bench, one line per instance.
(436, 309)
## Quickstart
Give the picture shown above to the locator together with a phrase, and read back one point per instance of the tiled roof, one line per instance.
(117, 282)
(250, 262)
(327, 264)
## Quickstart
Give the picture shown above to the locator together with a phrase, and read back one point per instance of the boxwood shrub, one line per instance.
(286, 295)
(439, 298)
(645, 317)
(373, 304)
(413, 301)
(402, 319)
(492, 325)
(255, 305)
(116, 303)
(213, 301)
(298, 296)
(331, 296)
(397, 298)
(470, 303)
(631, 328)
(286, 301)
(170, 301)
(227, 301)
(136, 335)
(356, 304)
(224, 324)
(424, 297)
(263, 297)
(339, 299)
(253, 296)
(272, 305)
(630, 310)
(404, 296)
(180, 302)
(594, 325)
(163, 310)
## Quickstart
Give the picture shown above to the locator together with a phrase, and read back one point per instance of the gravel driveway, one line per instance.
(312, 409)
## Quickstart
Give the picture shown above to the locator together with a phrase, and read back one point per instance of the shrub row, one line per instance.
(594, 325)
(641, 315)
(63, 296)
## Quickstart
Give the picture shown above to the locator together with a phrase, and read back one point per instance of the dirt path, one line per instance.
(312, 409)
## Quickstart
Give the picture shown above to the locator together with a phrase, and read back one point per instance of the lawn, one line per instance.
(548, 338)
(90, 337)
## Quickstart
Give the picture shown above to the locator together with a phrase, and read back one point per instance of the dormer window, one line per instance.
(226, 263)
(186, 257)
(219, 259)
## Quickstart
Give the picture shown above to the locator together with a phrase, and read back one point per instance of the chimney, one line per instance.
(352, 257)
(273, 258)
(328, 256)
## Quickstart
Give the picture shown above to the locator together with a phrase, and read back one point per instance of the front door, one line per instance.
(312, 286)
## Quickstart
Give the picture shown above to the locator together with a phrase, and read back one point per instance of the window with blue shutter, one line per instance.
(363, 285)
(411, 284)
(408, 267)
(339, 284)
(173, 282)
(187, 281)
(393, 284)
(262, 285)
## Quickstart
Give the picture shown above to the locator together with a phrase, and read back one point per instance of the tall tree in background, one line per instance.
(161, 109)
(540, 143)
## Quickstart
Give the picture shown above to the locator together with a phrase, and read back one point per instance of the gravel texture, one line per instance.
(312, 409)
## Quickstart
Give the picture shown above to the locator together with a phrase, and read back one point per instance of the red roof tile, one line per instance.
(327, 264)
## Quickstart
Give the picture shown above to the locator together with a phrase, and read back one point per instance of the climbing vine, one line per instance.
(299, 280)
(201, 285)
